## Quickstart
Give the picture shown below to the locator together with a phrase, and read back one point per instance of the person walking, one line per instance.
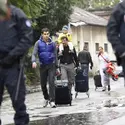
(68, 59)
(116, 32)
(69, 37)
(85, 59)
(104, 77)
(16, 37)
(47, 53)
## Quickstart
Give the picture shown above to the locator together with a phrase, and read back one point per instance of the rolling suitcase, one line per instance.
(81, 82)
(62, 93)
(97, 81)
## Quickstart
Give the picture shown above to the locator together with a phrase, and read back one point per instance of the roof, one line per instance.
(82, 17)
(102, 13)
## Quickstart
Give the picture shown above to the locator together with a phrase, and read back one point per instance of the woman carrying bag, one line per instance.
(103, 64)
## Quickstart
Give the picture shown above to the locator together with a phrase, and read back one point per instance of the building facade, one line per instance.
(90, 30)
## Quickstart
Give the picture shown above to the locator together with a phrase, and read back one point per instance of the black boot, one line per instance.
(109, 88)
(104, 89)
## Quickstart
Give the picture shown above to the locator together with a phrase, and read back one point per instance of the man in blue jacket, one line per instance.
(46, 50)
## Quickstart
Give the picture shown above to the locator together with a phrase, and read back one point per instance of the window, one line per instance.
(97, 47)
(86, 45)
(105, 47)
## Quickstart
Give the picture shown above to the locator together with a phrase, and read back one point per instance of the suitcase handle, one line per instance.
(62, 82)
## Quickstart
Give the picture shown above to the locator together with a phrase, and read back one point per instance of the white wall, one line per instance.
(92, 35)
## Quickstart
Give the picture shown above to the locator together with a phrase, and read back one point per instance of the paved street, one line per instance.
(82, 104)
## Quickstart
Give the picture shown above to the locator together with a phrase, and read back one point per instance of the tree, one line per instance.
(46, 13)
(32, 8)
(82, 3)
(95, 3)
(56, 15)
(104, 3)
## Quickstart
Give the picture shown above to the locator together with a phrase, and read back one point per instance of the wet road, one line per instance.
(84, 111)
(89, 118)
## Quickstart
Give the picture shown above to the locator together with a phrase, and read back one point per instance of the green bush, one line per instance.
(32, 75)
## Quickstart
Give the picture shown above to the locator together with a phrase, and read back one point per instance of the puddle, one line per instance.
(89, 118)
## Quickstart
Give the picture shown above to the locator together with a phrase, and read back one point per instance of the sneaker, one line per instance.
(109, 88)
(52, 104)
(87, 93)
(104, 89)
(45, 103)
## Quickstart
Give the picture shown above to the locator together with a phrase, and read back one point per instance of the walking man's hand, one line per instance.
(34, 65)
(91, 67)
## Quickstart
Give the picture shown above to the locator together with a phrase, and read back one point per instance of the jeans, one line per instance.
(47, 72)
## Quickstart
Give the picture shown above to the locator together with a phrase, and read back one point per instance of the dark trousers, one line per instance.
(9, 78)
(67, 71)
(47, 72)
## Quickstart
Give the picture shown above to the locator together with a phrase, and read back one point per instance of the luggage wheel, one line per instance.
(70, 104)
(87, 93)
(95, 88)
(76, 94)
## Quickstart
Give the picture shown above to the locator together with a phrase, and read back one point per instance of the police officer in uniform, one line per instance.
(15, 40)
(116, 32)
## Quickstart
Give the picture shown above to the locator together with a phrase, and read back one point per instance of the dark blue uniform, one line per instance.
(116, 32)
(15, 40)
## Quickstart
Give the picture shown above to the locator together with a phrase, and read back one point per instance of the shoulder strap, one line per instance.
(104, 58)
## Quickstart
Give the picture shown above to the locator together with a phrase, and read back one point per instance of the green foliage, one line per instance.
(104, 3)
(81, 3)
(32, 75)
(32, 8)
(46, 13)
(85, 4)
(56, 15)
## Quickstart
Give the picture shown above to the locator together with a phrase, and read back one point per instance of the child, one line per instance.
(66, 33)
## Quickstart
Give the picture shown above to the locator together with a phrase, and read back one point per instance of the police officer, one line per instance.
(116, 32)
(15, 40)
